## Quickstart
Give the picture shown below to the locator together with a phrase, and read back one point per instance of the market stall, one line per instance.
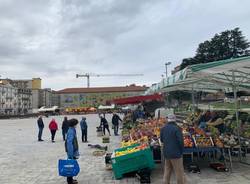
(197, 142)
(225, 75)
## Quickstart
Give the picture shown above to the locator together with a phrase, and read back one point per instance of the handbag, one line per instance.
(68, 168)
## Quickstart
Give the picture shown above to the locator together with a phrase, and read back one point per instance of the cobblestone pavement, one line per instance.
(24, 160)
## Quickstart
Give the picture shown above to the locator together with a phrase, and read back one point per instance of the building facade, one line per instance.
(93, 97)
(24, 100)
(24, 94)
(55, 99)
(41, 97)
(8, 99)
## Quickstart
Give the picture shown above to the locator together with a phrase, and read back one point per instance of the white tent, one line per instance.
(103, 107)
(51, 109)
(214, 76)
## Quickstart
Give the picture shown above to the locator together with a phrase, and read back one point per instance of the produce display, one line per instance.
(130, 150)
(229, 140)
(141, 138)
(128, 143)
(246, 133)
(214, 131)
(218, 142)
(148, 132)
(141, 132)
(203, 141)
(210, 136)
(188, 142)
(199, 132)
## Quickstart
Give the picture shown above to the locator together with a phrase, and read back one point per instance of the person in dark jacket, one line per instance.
(71, 145)
(53, 128)
(104, 124)
(40, 127)
(84, 128)
(172, 139)
(115, 122)
(65, 127)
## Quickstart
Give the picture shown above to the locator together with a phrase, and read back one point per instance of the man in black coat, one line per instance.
(40, 127)
(115, 122)
(65, 127)
(104, 124)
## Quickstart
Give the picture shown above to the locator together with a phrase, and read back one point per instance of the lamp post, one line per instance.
(166, 65)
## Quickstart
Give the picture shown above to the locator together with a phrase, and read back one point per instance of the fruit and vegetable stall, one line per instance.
(140, 146)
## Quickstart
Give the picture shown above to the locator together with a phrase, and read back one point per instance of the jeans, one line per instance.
(84, 135)
(116, 128)
(53, 133)
(40, 133)
(64, 132)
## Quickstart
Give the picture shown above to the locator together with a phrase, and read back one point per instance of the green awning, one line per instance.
(213, 76)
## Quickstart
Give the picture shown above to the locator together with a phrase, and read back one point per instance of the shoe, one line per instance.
(53, 141)
(73, 182)
(40, 140)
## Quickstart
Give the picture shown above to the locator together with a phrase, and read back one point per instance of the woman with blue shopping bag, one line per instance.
(71, 146)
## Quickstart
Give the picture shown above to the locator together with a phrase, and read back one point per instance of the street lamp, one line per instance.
(166, 65)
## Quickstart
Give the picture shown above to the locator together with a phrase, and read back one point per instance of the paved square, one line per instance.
(24, 160)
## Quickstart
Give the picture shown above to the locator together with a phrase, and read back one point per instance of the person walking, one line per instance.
(65, 127)
(172, 139)
(115, 122)
(104, 124)
(71, 145)
(40, 127)
(84, 128)
(53, 128)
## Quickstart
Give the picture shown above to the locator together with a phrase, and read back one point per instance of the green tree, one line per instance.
(225, 45)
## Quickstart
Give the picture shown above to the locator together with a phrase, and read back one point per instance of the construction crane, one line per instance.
(88, 75)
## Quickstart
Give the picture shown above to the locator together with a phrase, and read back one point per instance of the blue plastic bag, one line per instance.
(68, 168)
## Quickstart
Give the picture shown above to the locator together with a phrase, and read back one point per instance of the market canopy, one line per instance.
(137, 99)
(213, 76)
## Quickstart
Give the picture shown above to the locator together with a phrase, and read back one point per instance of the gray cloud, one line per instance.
(56, 39)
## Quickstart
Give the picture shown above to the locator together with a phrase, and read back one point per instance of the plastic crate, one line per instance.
(99, 134)
(207, 139)
(105, 139)
(132, 162)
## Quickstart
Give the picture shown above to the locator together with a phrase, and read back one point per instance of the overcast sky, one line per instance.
(55, 39)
